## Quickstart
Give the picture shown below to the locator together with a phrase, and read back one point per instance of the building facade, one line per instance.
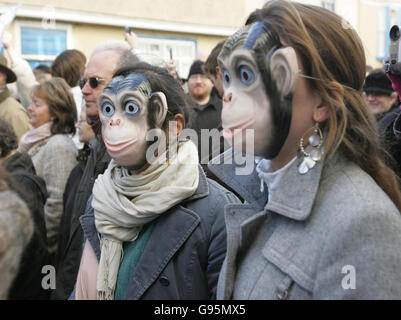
(171, 28)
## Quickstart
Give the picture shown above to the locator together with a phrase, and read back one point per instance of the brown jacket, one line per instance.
(14, 113)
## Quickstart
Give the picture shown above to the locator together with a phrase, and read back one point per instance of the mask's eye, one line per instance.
(226, 78)
(131, 108)
(108, 109)
(246, 75)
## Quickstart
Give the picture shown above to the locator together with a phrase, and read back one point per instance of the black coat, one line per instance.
(390, 136)
(28, 282)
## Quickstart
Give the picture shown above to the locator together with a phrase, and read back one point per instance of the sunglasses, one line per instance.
(93, 82)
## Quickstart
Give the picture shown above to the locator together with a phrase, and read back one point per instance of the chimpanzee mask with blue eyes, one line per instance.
(259, 79)
(128, 109)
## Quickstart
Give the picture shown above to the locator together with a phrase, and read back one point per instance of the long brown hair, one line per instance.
(332, 52)
(69, 65)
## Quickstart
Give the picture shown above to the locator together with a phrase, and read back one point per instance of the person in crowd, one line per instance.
(52, 115)
(201, 55)
(86, 136)
(10, 109)
(322, 214)
(206, 112)
(379, 94)
(172, 70)
(25, 77)
(42, 73)
(70, 65)
(369, 69)
(105, 59)
(199, 86)
(212, 70)
(16, 228)
(390, 130)
(154, 210)
(32, 189)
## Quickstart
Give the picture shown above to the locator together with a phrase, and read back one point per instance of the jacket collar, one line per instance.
(243, 181)
(293, 198)
(203, 187)
(4, 94)
(214, 102)
(19, 162)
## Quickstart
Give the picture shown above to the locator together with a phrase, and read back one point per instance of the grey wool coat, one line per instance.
(16, 229)
(54, 158)
(332, 233)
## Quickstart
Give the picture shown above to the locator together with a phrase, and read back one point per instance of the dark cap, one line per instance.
(196, 68)
(11, 77)
(377, 81)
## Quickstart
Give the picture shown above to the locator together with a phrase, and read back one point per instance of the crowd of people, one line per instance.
(100, 179)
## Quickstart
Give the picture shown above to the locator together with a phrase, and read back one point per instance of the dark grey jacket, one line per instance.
(185, 252)
(27, 283)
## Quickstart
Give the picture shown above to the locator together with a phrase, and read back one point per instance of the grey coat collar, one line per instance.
(227, 169)
(293, 198)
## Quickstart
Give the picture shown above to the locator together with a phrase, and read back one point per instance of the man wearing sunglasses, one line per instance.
(106, 58)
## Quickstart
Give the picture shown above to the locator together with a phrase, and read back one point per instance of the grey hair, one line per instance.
(127, 57)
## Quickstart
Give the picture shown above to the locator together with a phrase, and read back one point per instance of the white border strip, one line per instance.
(385, 3)
(102, 19)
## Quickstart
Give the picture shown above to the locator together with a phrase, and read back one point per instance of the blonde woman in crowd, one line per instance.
(53, 115)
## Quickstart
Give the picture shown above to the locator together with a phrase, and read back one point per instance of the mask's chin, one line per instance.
(132, 158)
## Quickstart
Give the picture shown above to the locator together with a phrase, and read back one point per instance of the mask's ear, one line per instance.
(159, 100)
(284, 68)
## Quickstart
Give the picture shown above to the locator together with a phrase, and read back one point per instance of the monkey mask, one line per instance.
(128, 109)
(259, 79)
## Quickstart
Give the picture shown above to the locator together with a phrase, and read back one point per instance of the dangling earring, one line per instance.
(315, 154)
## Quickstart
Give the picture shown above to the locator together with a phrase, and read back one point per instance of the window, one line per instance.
(382, 28)
(40, 45)
(386, 18)
(157, 50)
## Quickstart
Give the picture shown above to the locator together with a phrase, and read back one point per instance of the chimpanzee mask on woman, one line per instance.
(126, 118)
(259, 76)
(134, 190)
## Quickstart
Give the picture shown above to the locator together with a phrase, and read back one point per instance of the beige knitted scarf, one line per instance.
(33, 136)
(123, 203)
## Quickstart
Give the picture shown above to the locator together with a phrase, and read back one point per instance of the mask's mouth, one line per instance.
(118, 146)
(231, 130)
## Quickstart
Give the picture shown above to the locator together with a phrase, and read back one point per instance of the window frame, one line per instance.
(19, 24)
(170, 41)
(328, 4)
